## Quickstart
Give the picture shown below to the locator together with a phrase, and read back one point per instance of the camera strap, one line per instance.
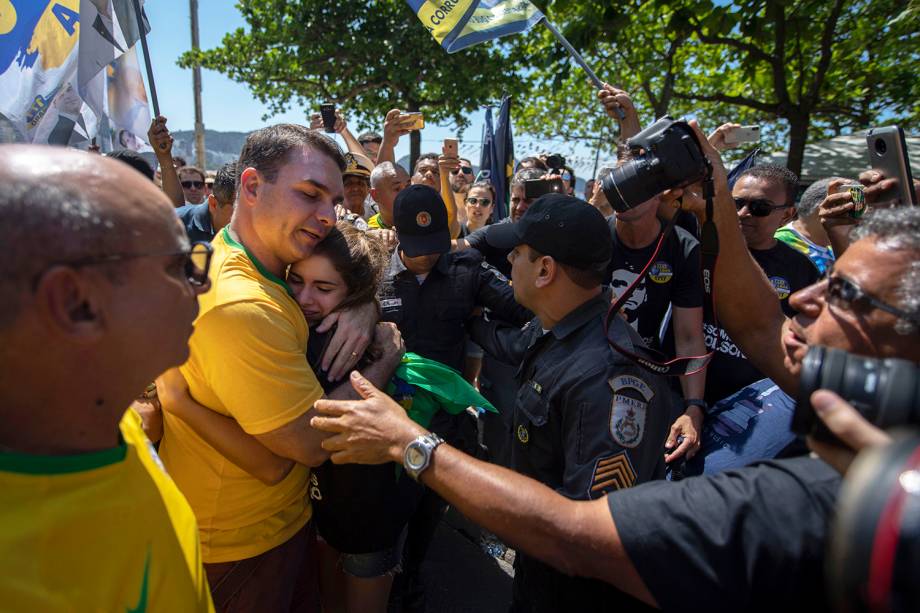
(709, 252)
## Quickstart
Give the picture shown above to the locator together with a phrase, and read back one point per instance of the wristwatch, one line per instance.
(417, 456)
(690, 402)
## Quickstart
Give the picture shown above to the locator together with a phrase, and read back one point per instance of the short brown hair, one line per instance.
(267, 149)
(187, 169)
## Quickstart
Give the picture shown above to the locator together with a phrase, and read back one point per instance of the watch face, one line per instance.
(414, 456)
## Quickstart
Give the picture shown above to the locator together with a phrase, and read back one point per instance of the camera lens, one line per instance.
(886, 392)
(868, 542)
(880, 147)
(627, 186)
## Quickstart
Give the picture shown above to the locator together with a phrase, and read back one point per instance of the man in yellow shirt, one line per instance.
(97, 296)
(248, 362)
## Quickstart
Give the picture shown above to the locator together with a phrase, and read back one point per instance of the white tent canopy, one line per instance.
(843, 156)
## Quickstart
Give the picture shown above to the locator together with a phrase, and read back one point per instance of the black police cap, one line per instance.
(420, 218)
(569, 230)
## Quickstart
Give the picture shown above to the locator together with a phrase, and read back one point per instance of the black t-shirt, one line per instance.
(495, 257)
(674, 278)
(751, 539)
(729, 371)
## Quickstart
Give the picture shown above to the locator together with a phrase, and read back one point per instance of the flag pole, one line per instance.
(577, 57)
(143, 33)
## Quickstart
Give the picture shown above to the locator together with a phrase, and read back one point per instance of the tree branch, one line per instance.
(827, 41)
(766, 107)
(779, 52)
(710, 39)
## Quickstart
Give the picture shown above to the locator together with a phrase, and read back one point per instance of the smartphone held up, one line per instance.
(741, 135)
(412, 121)
(888, 156)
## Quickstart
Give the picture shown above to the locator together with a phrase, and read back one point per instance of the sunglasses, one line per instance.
(192, 184)
(197, 261)
(843, 293)
(464, 169)
(479, 201)
(758, 207)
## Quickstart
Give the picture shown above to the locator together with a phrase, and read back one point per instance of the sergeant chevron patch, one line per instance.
(613, 473)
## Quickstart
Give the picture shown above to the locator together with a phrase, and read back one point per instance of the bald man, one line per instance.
(97, 297)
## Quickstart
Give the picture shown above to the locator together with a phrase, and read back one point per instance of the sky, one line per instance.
(229, 106)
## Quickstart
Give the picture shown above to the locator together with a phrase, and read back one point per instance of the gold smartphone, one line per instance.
(413, 121)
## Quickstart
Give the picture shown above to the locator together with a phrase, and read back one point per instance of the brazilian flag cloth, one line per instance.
(423, 387)
(457, 24)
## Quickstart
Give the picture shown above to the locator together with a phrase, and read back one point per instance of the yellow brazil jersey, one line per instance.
(248, 361)
(103, 531)
(376, 222)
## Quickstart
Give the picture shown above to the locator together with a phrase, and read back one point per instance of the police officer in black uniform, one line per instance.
(430, 294)
(587, 420)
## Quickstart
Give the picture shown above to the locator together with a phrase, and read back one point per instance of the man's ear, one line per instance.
(69, 305)
(250, 184)
(789, 214)
(212, 204)
(549, 268)
(373, 193)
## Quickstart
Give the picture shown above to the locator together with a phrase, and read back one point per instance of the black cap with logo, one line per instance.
(420, 218)
(569, 230)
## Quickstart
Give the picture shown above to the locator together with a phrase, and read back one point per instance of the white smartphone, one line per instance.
(744, 134)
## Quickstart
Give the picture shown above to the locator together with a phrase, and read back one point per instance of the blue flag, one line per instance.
(748, 162)
(457, 24)
(488, 159)
(504, 160)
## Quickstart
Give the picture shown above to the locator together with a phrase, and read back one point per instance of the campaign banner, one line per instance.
(129, 113)
(457, 24)
(38, 58)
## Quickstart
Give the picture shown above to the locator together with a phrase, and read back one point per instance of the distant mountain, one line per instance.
(220, 147)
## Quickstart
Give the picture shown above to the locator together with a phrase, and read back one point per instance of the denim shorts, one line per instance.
(376, 564)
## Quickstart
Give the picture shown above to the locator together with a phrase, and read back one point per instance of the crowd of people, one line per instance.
(322, 351)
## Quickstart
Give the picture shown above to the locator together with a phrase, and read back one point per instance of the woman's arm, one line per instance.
(445, 166)
(221, 432)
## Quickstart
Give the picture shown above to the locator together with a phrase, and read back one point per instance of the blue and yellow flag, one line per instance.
(38, 44)
(457, 24)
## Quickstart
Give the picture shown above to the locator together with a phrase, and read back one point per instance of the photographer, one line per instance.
(749, 539)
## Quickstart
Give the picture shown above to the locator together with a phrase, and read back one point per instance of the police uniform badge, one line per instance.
(614, 472)
(522, 434)
(628, 410)
(423, 219)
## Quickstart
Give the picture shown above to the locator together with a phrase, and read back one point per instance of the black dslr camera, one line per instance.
(555, 163)
(885, 391)
(666, 155)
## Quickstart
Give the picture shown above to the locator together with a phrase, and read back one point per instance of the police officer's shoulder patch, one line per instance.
(631, 395)
(614, 472)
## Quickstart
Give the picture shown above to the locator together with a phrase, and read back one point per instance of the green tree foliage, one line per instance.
(802, 67)
(367, 57)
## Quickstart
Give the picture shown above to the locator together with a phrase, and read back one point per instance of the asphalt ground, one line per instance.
(465, 571)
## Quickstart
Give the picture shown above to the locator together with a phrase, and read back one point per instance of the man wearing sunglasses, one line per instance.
(764, 198)
(747, 539)
(460, 179)
(203, 221)
(97, 297)
(191, 178)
